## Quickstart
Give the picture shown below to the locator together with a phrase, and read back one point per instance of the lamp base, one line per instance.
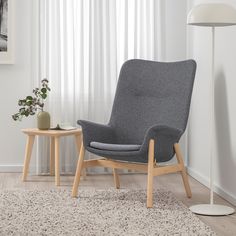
(212, 209)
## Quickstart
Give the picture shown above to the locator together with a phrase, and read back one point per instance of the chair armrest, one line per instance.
(96, 132)
(163, 130)
(165, 137)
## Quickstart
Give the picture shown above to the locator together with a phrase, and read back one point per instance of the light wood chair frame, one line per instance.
(151, 168)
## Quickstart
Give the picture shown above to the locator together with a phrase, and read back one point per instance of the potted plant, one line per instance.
(30, 105)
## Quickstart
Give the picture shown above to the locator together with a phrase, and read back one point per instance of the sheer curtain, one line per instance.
(81, 47)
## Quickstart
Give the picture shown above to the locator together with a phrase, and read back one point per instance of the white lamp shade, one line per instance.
(213, 15)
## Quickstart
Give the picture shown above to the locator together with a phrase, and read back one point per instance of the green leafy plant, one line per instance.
(31, 104)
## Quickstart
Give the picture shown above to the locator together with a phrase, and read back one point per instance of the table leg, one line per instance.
(52, 156)
(28, 152)
(78, 141)
(57, 162)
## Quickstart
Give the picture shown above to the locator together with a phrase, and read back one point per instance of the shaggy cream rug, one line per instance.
(96, 212)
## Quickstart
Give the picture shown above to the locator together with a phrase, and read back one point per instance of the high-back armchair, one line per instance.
(149, 115)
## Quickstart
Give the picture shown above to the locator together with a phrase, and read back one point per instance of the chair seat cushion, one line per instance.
(115, 147)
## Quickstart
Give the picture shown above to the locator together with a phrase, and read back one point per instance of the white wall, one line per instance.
(15, 83)
(174, 40)
(225, 107)
(175, 30)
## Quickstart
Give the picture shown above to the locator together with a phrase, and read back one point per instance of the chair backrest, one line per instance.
(151, 93)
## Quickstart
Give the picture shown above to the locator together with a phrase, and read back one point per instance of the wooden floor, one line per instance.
(221, 225)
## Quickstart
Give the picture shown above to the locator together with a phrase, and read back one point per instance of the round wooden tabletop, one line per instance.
(50, 132)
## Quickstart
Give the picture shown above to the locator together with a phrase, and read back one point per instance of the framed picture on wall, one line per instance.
(6, 32)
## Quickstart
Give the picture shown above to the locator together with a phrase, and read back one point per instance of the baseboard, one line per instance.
(217, 189)
(11, 168)
(14, 168)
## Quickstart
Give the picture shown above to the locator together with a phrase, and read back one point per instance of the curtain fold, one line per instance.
(82, 45)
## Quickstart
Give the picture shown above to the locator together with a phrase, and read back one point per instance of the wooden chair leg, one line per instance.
(78, 171)
(28, 152)
(116, 178)
(78, 141)
(150, 174)
(183, 172)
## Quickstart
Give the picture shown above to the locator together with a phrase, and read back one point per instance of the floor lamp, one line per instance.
(212, 15)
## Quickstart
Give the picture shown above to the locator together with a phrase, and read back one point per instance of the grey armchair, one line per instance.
(149, 115)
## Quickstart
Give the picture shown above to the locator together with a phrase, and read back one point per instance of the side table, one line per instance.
(54, 136)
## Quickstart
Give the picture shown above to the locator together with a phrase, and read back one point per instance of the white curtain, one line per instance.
(81, 47)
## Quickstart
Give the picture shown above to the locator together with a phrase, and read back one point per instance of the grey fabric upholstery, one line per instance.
(115, 147)
(152, 101)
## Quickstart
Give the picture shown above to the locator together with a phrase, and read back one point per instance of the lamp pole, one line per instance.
(212, 118)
